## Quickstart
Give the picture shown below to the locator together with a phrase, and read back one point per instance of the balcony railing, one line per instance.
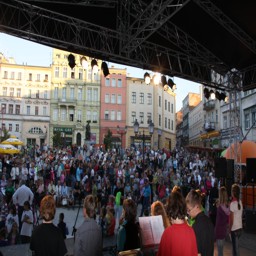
(209, 105)
(209, 126)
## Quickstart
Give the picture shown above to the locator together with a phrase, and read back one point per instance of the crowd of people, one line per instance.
(179, 185)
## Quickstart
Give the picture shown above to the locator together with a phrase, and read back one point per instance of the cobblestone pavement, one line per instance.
(74, 218)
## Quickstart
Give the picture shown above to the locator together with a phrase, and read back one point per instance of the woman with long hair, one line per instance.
(235, 220)
(222, 219)
(157, 208)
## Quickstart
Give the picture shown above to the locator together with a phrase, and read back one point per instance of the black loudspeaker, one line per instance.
(230, 169)
(250, 170)
(250, 220)
(220, 167)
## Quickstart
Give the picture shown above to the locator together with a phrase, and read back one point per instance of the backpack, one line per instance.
(118, 198)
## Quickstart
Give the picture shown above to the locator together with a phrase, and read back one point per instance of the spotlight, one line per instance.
(166, 87)
(94, 65)
(147, 78)
(212, 95)
(171, 84)
(222, 96)
(156, 79)
(206, 93)
(84, 62)
(235, 78)
(104, 68)
(71, 61)
(217, 95)
(163, 80)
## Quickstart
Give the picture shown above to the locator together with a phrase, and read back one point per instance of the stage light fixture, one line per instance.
(222, 96)
(206, 93)
(212, 95)
(156, 78)
(217, 95)
(147, 78)
(104, 68)
(94, 65)
(171, 84)
(235, 78)
(71, 61)
(163, 80)
(84, 62)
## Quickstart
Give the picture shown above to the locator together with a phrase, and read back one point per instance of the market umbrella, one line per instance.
(8, 149)
(12, 141)
(240, 151)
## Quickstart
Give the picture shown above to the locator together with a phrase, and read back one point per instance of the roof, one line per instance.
(184, 38)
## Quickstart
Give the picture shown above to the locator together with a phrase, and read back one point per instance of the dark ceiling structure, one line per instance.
(205, 41)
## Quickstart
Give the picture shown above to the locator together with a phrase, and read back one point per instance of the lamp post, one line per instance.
(63, 135)
(122, 132)
(143, 136)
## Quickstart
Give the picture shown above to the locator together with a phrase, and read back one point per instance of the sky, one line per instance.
(30, 53)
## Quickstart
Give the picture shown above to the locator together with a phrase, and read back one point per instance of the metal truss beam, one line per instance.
(148, 20)
(91, 3)
(227, 23)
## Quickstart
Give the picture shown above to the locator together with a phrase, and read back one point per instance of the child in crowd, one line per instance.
(27, 224)
(11, 218)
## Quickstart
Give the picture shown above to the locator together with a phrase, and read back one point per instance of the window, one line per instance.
(119, 99)
(65, 72)
(19, 76)
(89, 94)
(118, 116)
(106, 115)
(55, 114)
(64, 93)
(3, 127)
(107, 82)
(113, 98)
(72, 74)
(3, 108)
(5, 74)
(36, 110)
(30, 77)
(17, 109)
(10, 127)
(35, 130)
(45, 94)
(149, 99)
(134, 97)
(113, 115)
(95, 116)
(63, 114)
(72, 93)
(56, 92)
(159, 120)
(79, 94)
(159, 101)
(217, 116)
(169, 104)
(247, 120)
(28, 110)
(37, 94)
(45, 78)
(95, 95)
(133, 116)
(57, 56)
(18, 93)
(29, 93)
(169, 126)
(44, 111)
(11, 92)
(17, 128)
(10, 108)
(149, 116)
(141, 98)
(172, 108)
(79, 115)
(165, 122)
(12, 75)
(80, 74)
(172, 125)
(71, 115)
(253, 117)
(88, 115)
(141, 117)
(165, 104)
(107, 98)
(113, 83)
(119, 83)
(4, 91)
(38, 77)
(57, 72)
(225, 122)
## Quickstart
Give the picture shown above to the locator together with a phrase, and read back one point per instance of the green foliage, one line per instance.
(57, 140)
(108, 140)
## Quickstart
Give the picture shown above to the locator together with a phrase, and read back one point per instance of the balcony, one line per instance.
(209, 105)
(209, 126)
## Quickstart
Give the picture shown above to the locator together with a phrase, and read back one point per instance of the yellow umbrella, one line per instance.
(12, 141)
(8, 149)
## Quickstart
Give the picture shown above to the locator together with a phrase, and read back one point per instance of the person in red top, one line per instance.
(179, 239)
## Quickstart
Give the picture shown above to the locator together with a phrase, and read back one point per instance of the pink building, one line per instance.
(113, 106)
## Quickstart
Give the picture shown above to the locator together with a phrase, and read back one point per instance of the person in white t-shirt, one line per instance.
(236, 211)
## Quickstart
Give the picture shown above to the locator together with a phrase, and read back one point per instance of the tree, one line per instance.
(6, 135)
(57, 140)
(108, 140)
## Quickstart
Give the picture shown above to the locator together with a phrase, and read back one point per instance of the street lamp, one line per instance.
(143, 136)
(122, 132)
